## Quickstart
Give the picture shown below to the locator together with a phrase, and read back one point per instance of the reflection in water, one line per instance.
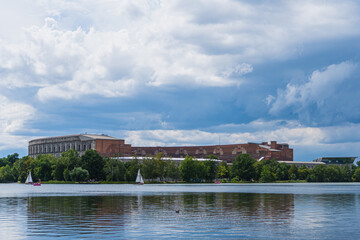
(156, 215)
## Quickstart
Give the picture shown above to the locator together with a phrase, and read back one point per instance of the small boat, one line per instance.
(29, 179)
(37, 184)
(139, 178)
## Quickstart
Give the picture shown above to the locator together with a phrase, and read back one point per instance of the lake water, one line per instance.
(216, 211)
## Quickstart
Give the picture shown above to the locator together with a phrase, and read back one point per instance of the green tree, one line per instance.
(333, 174)
(317, 174)
(200, 170)
(149, 168)
(282, 171)
(66, 174)
(172, 170)
(132, 168)
(188, 169)
(79, 175)
(346, 173)
(41, 166)
(293, 172)
(19, 169)
(211, 168)
(303, 173)
(267, 175)
(243, 167)
(94, 163)
(71, 159)
(212, 156)
(114, 170)
(59, 166)
(356, 176)
(6, 174)
(223, 171)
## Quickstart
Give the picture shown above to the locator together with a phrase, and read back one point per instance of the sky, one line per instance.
(182, 72)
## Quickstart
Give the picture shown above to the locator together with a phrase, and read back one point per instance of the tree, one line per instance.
(149, 168)
(70, 158)
(41, 166)
(212, 156)
(79, 175)
(223, 171)
(282, 171)
(356, 176)
(132, 168)
(317, 174)
(114, 170)
(303, 173)
(333, 174)
(200, 170)
(243, 167)
(346, 173)
(267, 175)
(172, 170)
(19, 169)
(211, 168)
(94, 163)
(187, 169)
(6, 174)
(293, 172)
(59, 167)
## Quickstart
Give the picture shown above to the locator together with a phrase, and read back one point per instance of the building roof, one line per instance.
(91, 136)
(336, 160)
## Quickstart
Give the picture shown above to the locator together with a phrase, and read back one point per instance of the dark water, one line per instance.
(264, 211)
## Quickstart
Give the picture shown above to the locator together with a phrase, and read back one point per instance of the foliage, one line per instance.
(223, 170)
(243, 167)
(172, 170)
(293, 172)
(6, 174)
(132, 168)
(79, 175)
(211, 170)
(356, 176)
(187, 169)
(70, 158)
(41, 167)
(114, 170)
(267, 175)
(94, 163)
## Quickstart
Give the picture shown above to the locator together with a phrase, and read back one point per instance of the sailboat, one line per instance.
(29, 179)
(139, 178)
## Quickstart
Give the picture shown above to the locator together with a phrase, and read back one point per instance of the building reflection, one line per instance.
(113, 214)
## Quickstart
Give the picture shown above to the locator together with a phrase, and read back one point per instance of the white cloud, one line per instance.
(336, 141)
(328, 94)
(14, 117)
(115, 49)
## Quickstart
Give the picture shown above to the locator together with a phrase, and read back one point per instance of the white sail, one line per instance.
(139, 178)
(29, 178)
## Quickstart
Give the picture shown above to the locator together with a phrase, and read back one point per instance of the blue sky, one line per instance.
(182, 73)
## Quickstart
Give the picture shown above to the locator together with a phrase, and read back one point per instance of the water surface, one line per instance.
(263, 211)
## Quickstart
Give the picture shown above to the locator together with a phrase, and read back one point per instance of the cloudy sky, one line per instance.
(182, 72)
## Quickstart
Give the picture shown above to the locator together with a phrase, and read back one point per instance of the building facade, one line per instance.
(114, 147)
(103, 144)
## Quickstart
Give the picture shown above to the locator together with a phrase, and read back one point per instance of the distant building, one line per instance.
(340, 161)
(105, 145)
(308, 165)
(114, 147)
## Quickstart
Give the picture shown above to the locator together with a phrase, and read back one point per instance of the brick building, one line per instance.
(110, 147)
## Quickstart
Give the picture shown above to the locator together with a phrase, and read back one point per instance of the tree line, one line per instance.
(93, 167)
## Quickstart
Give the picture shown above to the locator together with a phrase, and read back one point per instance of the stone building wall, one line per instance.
(113, 147)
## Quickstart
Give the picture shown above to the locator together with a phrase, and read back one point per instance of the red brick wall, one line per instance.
(229, 152)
